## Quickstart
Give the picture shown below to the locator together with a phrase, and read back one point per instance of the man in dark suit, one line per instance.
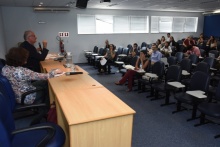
(35, 54)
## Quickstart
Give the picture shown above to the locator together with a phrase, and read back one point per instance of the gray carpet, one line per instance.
(156, 126)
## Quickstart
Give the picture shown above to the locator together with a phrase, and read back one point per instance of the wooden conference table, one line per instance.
(90, 115)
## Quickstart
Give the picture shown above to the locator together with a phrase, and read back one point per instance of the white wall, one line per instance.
(18, 19)
(2, 39)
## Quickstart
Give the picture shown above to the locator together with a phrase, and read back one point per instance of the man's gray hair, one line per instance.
(26, 34)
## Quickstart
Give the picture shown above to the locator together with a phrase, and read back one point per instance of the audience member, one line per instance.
(20, 77)
(211, 44)
(107, 46)
(158, 43)
(156, 55)
(168, 37)
(188, 41)
(166, 50)
(200, 41)
(35, 54)
(174, 46)
(134, 48)
(192, 50)
(109, 56)
(129, 75)
(163, 40)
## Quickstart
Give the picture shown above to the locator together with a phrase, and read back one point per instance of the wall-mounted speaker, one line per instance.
(82, 4)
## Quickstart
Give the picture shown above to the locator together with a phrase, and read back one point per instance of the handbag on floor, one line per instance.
(52, 113)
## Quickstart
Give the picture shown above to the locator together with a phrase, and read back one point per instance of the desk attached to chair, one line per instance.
(89, 114)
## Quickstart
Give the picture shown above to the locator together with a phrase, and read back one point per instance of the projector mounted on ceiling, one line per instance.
(105, 1)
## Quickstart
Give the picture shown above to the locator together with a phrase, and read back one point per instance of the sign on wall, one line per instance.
(64, 34)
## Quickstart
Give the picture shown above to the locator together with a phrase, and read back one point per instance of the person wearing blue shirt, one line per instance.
(155, 55)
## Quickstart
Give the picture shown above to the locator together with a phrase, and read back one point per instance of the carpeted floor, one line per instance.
(156, 126)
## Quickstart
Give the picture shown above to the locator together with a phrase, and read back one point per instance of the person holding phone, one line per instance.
(35, 54)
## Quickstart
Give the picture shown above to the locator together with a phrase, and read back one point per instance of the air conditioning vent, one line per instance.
(50, 9)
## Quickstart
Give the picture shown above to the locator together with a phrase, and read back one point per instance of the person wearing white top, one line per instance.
(166, 50)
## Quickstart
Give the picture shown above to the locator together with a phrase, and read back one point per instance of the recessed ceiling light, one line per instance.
(41, 3)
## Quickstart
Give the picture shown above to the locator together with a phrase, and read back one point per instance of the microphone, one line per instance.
(39, 45)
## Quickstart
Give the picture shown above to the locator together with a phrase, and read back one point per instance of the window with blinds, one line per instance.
(107, 24)
(161, 24)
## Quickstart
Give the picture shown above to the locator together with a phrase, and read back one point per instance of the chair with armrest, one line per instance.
(199, 82)
(38, 110)
(202, 66)
(186, 65)
(210, 109)
(173, 74)
(158, 70)
(41, 135)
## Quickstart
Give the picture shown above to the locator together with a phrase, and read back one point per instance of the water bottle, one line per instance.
(69, 59)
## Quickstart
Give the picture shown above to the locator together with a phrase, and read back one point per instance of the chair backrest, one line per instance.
(179, 56)
(143, 44)
(119, 51)
(125, 51)
(7, 91)
(173, 73)
(199, 81)
(129, 46)
(101, 51)
(180, 42)
(202, 52)
(158, 68)
(209, 60)
(217, 92)
(194, 59)
(2, 61)
(202, 66)
(171, 60)
(214, 53)
(186, 64)
(95, 50)
(6, 118)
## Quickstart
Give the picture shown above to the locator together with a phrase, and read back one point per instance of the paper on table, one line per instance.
(129, 67)
(57, 75)
(51, 56)
(103, 61)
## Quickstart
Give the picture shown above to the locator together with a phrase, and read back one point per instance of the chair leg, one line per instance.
(151, 92)
(167, 99)
(178, 107)
(202, 120)
(193, 113)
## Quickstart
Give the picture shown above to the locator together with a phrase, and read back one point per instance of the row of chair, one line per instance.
(200, 80)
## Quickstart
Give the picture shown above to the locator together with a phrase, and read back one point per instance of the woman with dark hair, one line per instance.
(211, 43)
(129, 75)
(20, 77)
(109, 56)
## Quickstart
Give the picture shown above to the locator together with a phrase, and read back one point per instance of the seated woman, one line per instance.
(192, 50)
(211, 44)
(166, 50)
(129, 75)
(200, 41)
(109, 56)
(21, 77)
